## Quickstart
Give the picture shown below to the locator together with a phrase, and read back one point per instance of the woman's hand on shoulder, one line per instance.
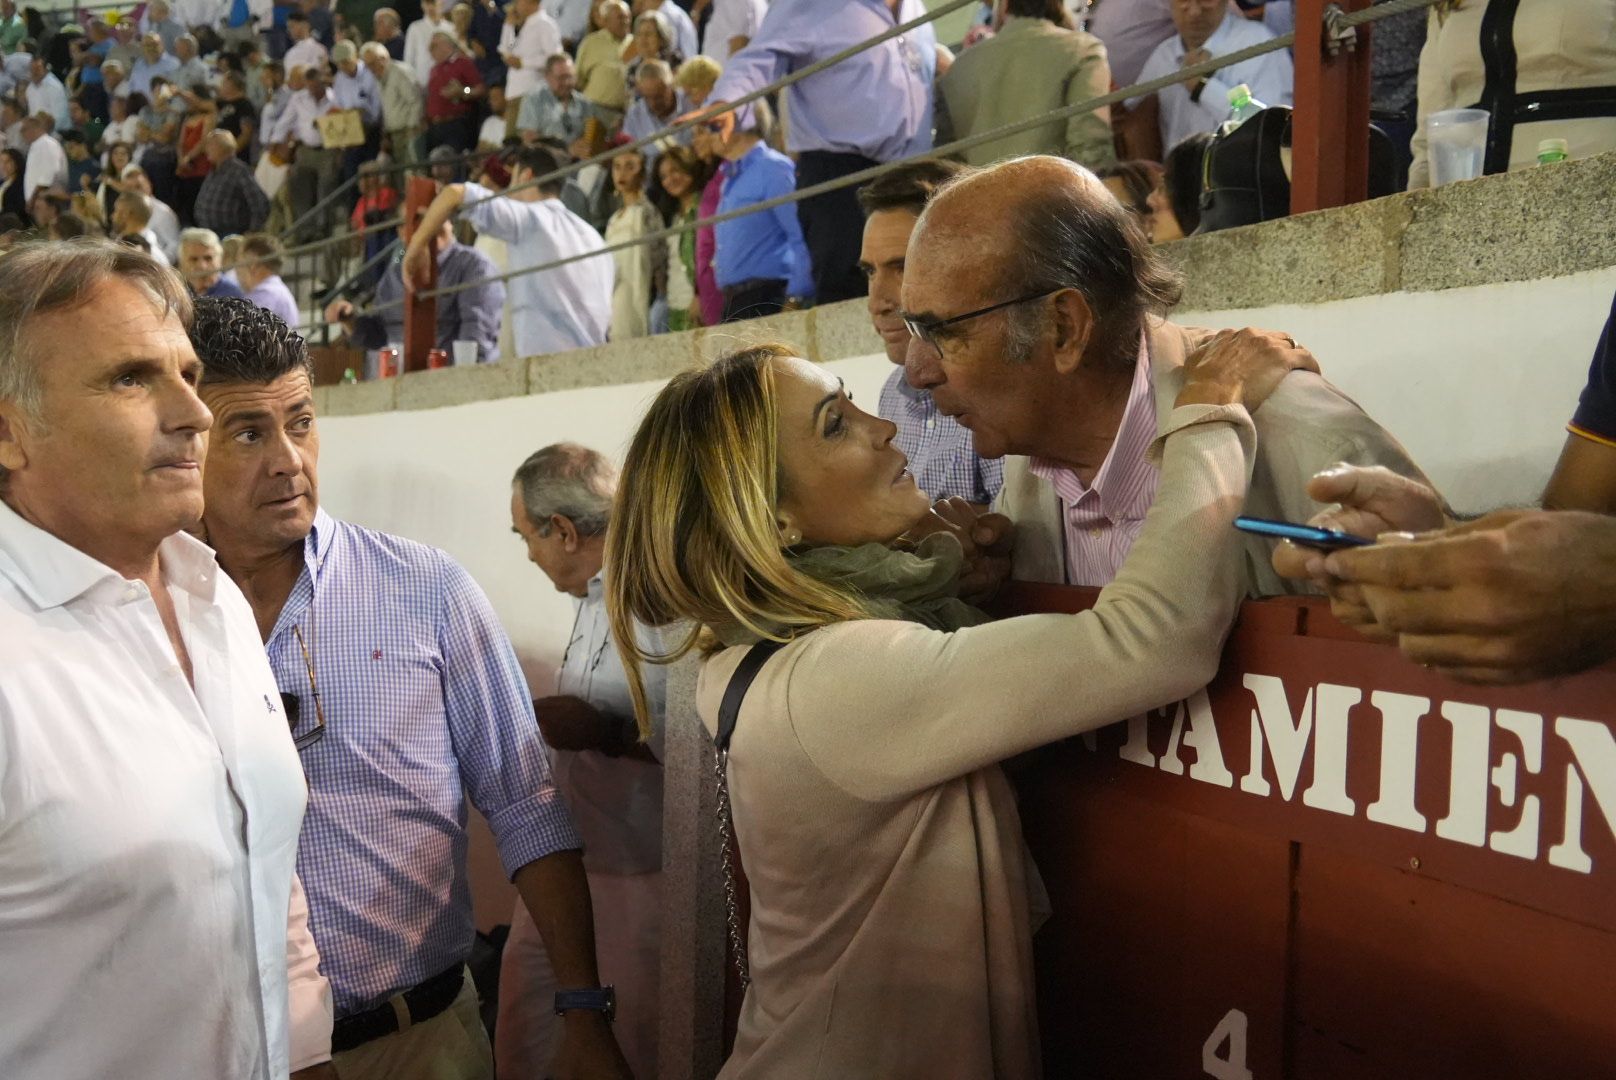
(1241, 367)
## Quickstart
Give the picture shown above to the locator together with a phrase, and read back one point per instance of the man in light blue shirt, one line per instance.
(555, 110)
(761, 258)
(153, 61)
(1207, 28)
(659, 104)
(354, 87)
(873, 107)
(568, 307)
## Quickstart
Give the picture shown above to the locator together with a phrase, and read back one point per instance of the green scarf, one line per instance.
(914, 584)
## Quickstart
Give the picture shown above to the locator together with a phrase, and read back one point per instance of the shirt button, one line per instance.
(930, 424)
(1094, 533)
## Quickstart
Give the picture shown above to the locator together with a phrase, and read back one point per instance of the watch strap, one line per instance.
(601, 999)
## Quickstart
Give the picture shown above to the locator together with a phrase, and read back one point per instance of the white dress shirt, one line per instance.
(537, 41)
(296, 121)
(46, 166)
(166, 224)
(48, 95)
(616, 803)
(150, 920)
(568, 307)
(731, 19)
(1270, 76)
(684, 31)
(306, 53)
(418, 46)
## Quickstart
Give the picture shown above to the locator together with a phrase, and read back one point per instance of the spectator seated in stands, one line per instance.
(1208, 29)
(469, 315)
(131, 217)
(558, 111)
(1132, 183)
(201, 263)
(941, 458)
(653, 40)
(565, 307)
(658, 105)
(1036, 63)
(761, 259)
(679, 24)
(602, 72)
(1175, 205)
(259, 274)
(1033, 299)
(793, 536)
(191, 72)
(230, 200)
(642, 270)
(1565, 49)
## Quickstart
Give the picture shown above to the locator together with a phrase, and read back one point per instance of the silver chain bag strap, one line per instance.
(729, 711)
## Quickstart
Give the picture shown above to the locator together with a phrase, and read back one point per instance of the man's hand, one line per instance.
(1370, 502)
(1516, 596)
(338, 311)
(417, 266)
(986, 538)
(1194, 56)
(588, 1050)
(451, 90)
(725, 124)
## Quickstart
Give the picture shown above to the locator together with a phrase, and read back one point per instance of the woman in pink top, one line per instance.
(708, 294)
(890, 931)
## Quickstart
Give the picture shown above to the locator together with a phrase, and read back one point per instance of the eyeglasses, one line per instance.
(925, 331)
(294, 707)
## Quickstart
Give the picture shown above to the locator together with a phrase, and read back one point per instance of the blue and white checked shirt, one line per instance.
(941, 456)
(424, 704)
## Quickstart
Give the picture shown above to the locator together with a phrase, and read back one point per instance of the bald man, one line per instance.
(1037, 301)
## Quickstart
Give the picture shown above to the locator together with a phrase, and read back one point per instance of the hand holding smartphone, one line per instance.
(1306, 535)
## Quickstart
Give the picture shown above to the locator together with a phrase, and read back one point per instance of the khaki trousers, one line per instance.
(453, 1045)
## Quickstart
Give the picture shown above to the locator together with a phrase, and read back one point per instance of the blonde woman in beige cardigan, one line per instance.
(889, 933)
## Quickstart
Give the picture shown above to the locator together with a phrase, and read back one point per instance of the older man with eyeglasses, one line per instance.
(410, 702)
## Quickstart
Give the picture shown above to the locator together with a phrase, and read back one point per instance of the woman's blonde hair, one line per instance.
(694, 532)
(698, 73)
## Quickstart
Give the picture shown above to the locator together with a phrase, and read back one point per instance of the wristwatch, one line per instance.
(601, 999)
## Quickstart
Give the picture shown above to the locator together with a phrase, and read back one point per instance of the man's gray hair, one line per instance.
(570, 481)
(374, 48)
(206, 237)
(40, 278)
(655, 69)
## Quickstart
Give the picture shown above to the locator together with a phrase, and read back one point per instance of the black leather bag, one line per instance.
(1243, 177)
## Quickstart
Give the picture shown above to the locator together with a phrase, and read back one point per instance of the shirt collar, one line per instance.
(1118, 483)
(320, 539)
(52, 572)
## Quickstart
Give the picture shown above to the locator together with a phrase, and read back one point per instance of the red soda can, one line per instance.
(387, 363)
(437, 358)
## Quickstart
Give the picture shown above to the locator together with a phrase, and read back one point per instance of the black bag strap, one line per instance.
(729, 710)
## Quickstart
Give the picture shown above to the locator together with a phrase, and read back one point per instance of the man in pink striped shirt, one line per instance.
(1034, 300)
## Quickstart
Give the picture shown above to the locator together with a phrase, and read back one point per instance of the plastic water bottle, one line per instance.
(1242, 107)
(349, 378)
(1550, 151)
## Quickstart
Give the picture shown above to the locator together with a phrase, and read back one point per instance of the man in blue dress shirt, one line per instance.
(875, 106)
(761, 259)
(406, 702)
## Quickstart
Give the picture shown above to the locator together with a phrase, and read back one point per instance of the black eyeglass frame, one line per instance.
(924, 331)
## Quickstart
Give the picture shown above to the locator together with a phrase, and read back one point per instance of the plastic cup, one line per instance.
(465, 352)
(1457, 143)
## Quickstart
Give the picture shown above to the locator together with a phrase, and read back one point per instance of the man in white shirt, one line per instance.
(46, 162)
(46, 94)
(316, 169)
(732, 25)
(418, 40)
(131, 216)
(528, 38)
(164, 222)
(1207, 28)
(567, 307)
(561, 506)
(150, 795)
(305, 50)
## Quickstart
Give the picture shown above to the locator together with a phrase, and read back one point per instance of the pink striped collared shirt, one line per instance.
(1102, 520)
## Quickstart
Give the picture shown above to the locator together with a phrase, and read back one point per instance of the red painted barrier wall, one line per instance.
(1331, 863)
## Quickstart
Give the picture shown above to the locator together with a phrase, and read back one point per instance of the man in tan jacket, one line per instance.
(1032, 300)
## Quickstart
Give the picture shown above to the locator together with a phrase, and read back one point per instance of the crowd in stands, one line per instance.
(245, 117)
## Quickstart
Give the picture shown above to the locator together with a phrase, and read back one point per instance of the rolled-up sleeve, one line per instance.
(503, 763)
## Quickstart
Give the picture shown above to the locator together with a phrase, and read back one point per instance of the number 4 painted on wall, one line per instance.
(1231, 1030)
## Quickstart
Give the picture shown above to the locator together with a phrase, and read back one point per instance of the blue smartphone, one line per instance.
(1306, 535)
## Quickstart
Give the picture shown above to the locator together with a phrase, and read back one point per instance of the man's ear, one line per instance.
(1072, 322)
(13, 457)
(570, 541)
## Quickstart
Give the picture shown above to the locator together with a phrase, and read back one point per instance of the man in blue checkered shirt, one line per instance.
(941, 457)
(405, 699)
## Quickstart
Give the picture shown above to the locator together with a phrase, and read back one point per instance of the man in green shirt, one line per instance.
(12, 28)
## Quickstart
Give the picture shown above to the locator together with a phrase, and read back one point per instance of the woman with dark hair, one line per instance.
(682, 175)
(1132, 182)
(119, 155)
(1175, 205)
(13, 199)
(891, 916)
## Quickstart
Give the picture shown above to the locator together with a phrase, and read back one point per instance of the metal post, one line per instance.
(1330, 125)
(420, 312)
